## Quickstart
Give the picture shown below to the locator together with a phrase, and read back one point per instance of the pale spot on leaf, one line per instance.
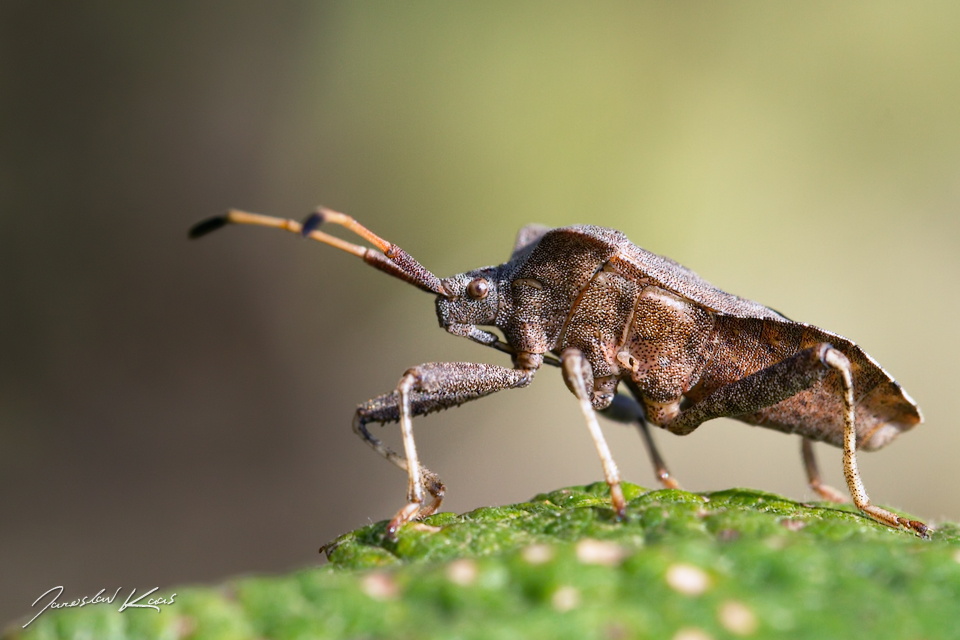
(737, 618)
(538, 553)
(687, 579)
(379, 586)
(565, 599)
(600, 552)
(691, 633)
(462, 572)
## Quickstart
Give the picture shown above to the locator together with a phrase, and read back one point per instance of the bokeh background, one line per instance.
(175, 412)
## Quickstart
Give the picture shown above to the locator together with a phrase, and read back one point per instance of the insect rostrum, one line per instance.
(609, 313)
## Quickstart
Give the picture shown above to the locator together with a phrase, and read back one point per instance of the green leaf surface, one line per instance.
(729, 564)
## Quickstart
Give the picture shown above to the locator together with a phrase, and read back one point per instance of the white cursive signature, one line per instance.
(152, 603)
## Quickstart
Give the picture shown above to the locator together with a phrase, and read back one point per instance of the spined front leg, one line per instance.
(430, 387)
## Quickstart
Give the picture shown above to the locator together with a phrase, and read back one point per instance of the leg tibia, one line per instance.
(579, 378)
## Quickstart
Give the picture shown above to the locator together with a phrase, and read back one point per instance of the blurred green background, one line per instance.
(175, 412)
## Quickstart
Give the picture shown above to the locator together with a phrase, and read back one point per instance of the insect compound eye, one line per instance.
(478, 288)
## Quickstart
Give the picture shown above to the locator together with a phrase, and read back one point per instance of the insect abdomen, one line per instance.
(747, 345)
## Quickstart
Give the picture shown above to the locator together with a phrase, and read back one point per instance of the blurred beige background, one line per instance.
(174, 412)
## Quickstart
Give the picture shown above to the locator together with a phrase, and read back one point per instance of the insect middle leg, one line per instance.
(779, 382)
(627, 410)
(422, 390)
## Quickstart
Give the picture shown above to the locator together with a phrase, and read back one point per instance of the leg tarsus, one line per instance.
(891, 519)
(617, 501)
(825, 491)
(405, 515)
(417, 510)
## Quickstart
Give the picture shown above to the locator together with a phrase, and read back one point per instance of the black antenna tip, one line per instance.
(311, 223)
(207, 226)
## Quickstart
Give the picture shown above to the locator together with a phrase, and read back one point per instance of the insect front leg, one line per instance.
(779, 382)
(425, 389)
(578, 375)
(627, 410)
(430, 481)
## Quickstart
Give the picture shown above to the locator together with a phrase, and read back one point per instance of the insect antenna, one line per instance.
(390, 258)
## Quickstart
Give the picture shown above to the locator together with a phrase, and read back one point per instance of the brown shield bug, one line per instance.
(607, 312)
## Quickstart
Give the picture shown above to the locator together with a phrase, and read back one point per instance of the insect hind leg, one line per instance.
(783, 380)
(836, 360)
(825, 491)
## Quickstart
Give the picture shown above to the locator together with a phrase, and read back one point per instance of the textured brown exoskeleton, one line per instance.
(612, 313)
